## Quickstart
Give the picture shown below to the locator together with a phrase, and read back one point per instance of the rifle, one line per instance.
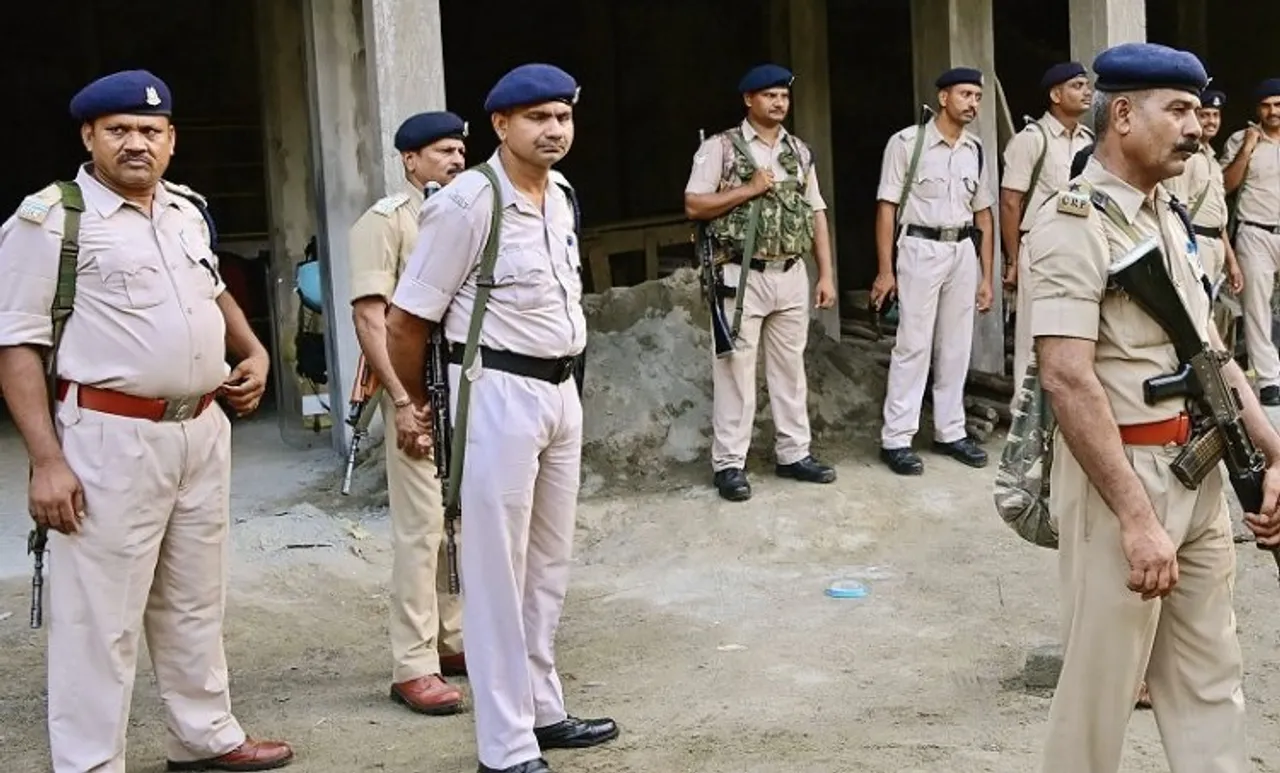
(1218, 433)
(442, 440)
(364, 393)
(36, 542)
(711, 278)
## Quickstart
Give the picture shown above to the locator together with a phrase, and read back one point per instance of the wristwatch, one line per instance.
(403, 402)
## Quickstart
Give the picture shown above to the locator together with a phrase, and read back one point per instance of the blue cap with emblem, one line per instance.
(1061, 73)
(133, 92)
(1212, 98)
(1142, 66)
(958, 75)
(1268, 89)
(532, 84)
(422, 129)
(765, 76)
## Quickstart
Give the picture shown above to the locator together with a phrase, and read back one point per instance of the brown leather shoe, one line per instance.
(453, 665)
(428, 695)
(250, 755)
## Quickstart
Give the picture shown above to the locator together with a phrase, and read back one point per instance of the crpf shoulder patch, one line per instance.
(35, 208)
(388, 204)
(1073, 202)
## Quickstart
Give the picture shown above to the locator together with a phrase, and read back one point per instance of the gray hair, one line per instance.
(1101, 108)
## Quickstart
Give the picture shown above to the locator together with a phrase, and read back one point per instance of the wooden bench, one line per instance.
(650, 234)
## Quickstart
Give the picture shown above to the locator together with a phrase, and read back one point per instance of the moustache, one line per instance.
(128, 158)
(1187, 146)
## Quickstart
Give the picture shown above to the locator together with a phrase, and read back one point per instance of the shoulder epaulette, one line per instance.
(558, 178)
(1074, 200)
(35, 208)
(388, 204)
(185, 192)
(907, 134)
(466, 188)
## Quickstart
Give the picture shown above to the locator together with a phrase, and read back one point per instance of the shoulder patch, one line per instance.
(184, 191)
(1074, 202)
(35, 208)
(465, 189)
(908, 133)
(389, 204)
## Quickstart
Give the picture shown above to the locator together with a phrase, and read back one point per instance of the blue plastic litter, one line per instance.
(846, 589)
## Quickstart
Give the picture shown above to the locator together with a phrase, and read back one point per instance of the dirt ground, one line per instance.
(700, 625)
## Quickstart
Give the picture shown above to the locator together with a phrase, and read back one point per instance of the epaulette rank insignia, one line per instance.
(1073, 202)
(388, 204)
(35, 208)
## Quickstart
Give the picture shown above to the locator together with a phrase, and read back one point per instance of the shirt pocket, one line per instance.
(520, 278)
(129, 282)
(199, 271)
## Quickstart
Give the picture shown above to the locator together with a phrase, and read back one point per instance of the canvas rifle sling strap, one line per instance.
(65, 294)
(484, 285)
(749, 240)
(1038, 168)
(909, 181)
(1204, 194)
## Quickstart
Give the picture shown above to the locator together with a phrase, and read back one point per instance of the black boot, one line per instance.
(574, 733)
(965, 450)
(903, 461)
(808, 469)
(732, 484)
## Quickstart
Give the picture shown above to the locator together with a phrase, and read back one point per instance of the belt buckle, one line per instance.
(949, 234)
(180, 409)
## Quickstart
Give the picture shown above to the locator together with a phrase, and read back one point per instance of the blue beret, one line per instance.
(765, 76)
(422, 129)
(957, 75)
(1139, 66)
(1268, 89)
(1061, 73)
(136, 92)
(1212, 98)
(531, 84)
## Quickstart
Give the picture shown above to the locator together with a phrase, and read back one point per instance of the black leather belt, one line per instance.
(760, 265)
(1275, 229)
(555, 371)
(952, 234)
(1206, 231)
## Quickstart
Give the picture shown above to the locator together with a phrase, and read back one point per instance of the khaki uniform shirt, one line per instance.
(535, 307)
(1070, 256)
(708, 165)
(381, 242)
(146, 320)
(1202, 176)
(948, 185)
(1059, 146)
(1259, 196)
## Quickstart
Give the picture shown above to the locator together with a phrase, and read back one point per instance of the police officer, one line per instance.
(1036, 165)
(522, 431)
(131, 476)
(426, 621)
(1130, 533)
(757, 182)
(942, 275)
(1251, 170)
(1200, 188)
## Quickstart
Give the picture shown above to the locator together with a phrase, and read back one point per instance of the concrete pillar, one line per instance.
(797, 39)
(1100, 24)
(955, 33)
(812, 121)
(347, 169)
(405, 64)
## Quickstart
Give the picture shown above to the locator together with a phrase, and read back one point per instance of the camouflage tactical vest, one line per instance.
(784, 226)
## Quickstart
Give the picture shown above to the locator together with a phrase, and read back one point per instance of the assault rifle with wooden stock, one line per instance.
(1218, 430)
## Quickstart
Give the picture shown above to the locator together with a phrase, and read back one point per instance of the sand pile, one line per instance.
(647, 400)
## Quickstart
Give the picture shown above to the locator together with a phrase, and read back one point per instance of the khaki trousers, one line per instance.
(150, 558)
(425, 618)
(775, 318)
(937, 290)
(1185, 644)
(1259, 256)
(519, 500)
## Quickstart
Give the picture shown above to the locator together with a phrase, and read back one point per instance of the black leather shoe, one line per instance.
(903, 461)
(532, 766)
(808, 470)
(1269, 396)
(732, 484)
(964, 450)
(574, 733)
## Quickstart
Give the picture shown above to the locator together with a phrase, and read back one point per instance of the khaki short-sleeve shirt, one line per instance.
(951, 184)
(1070, 255)
(1259, 196)
(146, 320)
(1202, 177)
(1059, 146)
(708, 165)
(535, 306)
(381, 241)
